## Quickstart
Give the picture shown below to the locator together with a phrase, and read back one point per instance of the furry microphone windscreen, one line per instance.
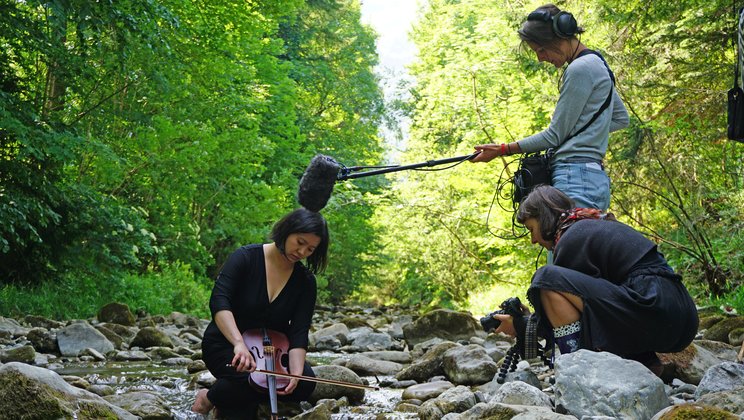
(316, 184)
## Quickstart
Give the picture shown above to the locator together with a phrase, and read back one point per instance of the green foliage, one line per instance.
(175, 288)
(142, 141)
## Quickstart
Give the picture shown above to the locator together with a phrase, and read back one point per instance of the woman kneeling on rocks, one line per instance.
(609, 288)
(263, 286)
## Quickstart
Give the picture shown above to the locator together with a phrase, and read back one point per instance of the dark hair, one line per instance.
(540, 32)
(303, 220)
(545, 204)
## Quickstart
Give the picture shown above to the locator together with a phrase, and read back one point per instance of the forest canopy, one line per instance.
(142, 141)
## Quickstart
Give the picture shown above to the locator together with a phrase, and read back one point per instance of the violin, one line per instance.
(270, 350)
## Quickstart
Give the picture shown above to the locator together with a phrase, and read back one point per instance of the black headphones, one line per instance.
(563, 23)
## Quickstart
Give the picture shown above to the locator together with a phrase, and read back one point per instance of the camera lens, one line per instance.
(489, 323)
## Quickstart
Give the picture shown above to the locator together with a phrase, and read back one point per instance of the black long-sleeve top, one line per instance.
(241, 289)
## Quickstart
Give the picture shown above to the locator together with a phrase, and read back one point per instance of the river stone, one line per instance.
(443, 323)
(11, 327)
(591, 384)
(731, 400)
(723, 377)
(721, 330)
(23, 354)
(337, 373)
(78, 336)
(429, 365)
(453, 400)
(468, 365)
(689, 365)
(114, 338)
(520, 393)
(131, 356)
(142, 403)
(116, 313)
(37, 393)
(41, 322)
(151, 337)
(515, 412)
(42, 340)
(366, 366)
(693, 411)
(426, 391)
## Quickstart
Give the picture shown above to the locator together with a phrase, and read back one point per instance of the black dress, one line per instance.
(634, 303)
(241, 289)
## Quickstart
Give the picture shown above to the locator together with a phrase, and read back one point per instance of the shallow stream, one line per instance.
(173, 384)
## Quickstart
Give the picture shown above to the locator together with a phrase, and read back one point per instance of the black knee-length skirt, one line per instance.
(651, 311)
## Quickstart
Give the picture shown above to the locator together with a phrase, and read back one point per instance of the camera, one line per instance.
(511, 306)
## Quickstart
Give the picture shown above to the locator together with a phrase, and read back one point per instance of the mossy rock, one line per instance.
(709, 321)
(720, 331)
(25, 398)
(697, 412)
(116, 313)
(352, 322)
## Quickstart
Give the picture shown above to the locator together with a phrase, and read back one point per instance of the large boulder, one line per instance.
(443, 323)
(31, 392)
(79, 336)
(151, 337)
(116, 313)
(603, 384)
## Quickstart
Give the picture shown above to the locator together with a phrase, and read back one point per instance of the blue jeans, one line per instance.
(584, 180)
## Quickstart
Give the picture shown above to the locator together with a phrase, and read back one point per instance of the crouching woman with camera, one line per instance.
(609, 288)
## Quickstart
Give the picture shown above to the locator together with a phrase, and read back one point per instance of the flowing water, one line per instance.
(173, 384)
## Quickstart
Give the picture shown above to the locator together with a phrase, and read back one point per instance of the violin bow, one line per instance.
(319, 380)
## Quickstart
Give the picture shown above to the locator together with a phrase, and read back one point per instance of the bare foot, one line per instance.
(202, 405)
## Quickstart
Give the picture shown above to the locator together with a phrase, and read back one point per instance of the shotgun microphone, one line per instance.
(316, 184)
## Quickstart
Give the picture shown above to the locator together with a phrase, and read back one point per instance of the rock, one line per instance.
(12, 328)
(370, 341)
(736, 336)
(442, 323)
(468, 365)
(116, 313)
(431, 364)
(78, 336)
(723, 377)
(721, 330)
(365, 366)
(319, 412)
(33, 392)
(729, 400)
(337, 373)
(41, 322)
(337, 332)
(426, 391)
(693, 411)
(114, 338)
(591, 384)
(520, 393)
(453, 400)
(151, 337)
(42, 340)
(515, 412)
(142, 403)
(689, 365)
(23, 354)
(131, 355)
(403, 357)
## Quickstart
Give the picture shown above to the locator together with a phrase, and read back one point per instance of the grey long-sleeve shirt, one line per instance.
(586, 84)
